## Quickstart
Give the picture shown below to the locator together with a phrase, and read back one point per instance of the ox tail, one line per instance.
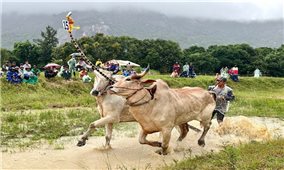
(193, 128)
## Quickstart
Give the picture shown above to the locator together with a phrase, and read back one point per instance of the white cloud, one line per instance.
(213, 9)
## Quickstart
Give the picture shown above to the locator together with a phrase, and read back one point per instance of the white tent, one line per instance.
(124, 63)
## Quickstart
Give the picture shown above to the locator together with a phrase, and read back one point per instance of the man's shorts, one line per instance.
(220, 116)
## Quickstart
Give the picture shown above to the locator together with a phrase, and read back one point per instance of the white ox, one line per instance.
(159, 108)
(112, 108)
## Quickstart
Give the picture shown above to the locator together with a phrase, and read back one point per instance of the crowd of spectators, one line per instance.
(116, 68)
(24, 73)
(20, 74)
(187, 70)
(80, 67)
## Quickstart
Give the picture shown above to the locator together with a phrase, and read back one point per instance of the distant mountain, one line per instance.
(145, 25)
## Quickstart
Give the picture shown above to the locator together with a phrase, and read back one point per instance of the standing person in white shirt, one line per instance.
(257, 73)
(185, 70)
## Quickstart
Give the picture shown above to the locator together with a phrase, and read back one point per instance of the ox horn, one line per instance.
(138, 76)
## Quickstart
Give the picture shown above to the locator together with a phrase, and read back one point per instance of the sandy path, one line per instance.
(128, 153)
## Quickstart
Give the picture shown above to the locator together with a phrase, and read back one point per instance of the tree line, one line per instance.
(160, 54)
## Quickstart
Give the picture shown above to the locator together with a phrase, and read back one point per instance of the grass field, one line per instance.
(55, 93)
(256, 155)
(31, 113)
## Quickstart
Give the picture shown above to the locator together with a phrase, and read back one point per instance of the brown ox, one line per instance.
(159, 108)
(112, 108)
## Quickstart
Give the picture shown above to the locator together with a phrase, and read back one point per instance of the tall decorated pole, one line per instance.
(68, 25)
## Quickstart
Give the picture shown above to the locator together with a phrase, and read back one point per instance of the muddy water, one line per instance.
(127, 153)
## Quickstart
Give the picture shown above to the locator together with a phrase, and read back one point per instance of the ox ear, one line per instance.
(152, 90)
(144, 82)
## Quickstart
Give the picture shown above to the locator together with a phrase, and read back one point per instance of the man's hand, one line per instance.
(221, 97)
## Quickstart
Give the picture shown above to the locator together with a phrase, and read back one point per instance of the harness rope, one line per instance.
(87, 60)
(132, 94)
(136, 103)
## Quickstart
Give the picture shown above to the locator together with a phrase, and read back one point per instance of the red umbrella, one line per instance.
(52, 65)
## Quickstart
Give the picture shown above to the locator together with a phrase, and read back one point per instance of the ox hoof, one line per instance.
(157, 144)
(81, 142)
(107, 147)
(180, 139)
(161, 152)
(201, 143)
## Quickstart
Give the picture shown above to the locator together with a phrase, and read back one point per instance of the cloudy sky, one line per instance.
(212, 9)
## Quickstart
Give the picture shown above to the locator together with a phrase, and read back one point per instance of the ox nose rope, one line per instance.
(87, 60)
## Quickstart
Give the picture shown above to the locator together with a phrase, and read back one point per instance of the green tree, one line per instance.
(26, 51)
(259, 60)
(246, 57)
(61, 54)
(241, 55)
(203, 63)
(7, 55)
(223, 54)
(194, 49)
(46, 44)
(160, 54)
(275, 63)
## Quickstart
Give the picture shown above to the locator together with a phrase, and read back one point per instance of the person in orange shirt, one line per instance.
(83, 72)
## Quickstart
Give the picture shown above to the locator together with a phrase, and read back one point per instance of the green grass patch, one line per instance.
(17, 127)
(259, 103)
(256, 155)
(53, 93)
